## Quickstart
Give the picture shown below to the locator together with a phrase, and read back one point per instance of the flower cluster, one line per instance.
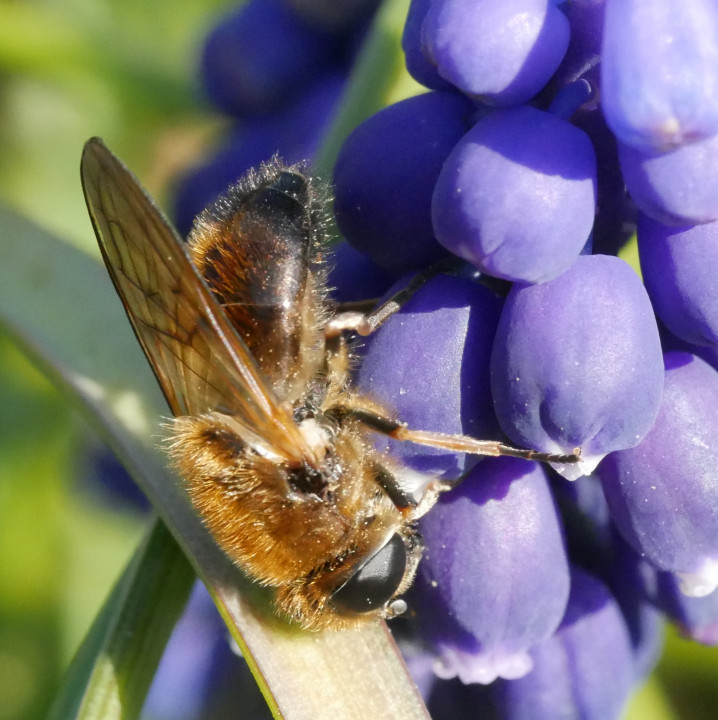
(548, 133)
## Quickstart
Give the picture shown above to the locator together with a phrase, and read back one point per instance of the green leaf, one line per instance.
(113, 669)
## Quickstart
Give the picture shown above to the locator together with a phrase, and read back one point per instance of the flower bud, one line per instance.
(517, 195)
(494, 580)
(659, 72)
(386, 172)
(663, 493)
(430, 364)
(680, 267)
(503, 51)
(577, 362)
(585, 670)
(677, 187)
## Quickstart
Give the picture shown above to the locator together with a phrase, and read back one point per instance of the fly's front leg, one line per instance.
(363, 323)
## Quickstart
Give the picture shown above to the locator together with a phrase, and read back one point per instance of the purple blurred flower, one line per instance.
(659, 74)
(245, 73)
(678, 187)
(294, 133)
(680, 267)
(585, 670)
(663, 493)
(430, 365)
(494, 580)
(577, 362)
(200, 676)
(517, 195)
(343, 16)
(502, 51)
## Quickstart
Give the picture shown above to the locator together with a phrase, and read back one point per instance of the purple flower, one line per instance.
(245, 74)
(577, 362)
(494, 580)
(585, 670)
(386, 172)
(502, 51)
(659, 73)
(517, 196)
(430, 365)
(420, 67)
(678, 187)
(294, 133)
(696, 617)
(680, 267)
(199, 674)
(663, 493)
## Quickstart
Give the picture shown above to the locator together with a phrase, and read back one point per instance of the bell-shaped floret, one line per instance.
(577, 362)
(494, 580)
(517, 196)
(663, 493)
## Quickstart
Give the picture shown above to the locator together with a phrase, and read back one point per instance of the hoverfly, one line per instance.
(274, 445)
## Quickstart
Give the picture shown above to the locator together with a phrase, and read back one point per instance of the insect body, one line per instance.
(273, 444)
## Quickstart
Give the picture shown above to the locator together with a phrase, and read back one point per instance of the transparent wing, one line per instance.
(200, 362)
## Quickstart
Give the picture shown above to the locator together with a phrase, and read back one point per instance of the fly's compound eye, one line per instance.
(375, 582)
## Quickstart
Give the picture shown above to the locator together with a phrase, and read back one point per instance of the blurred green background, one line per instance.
(124, 70)
(69, 69)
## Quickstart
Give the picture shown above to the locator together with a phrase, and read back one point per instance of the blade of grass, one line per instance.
(113, 669)
(60, 306)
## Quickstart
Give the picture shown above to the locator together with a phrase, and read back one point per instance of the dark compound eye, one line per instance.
(375, 582)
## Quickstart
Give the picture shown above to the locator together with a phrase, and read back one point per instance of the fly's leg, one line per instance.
(364, 323)
(455, 443)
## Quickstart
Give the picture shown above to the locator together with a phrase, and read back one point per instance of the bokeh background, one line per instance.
(69, 519)
(69, 69)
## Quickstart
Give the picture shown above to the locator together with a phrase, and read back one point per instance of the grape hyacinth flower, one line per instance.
(675, 187)
(277, 68)
(383, 187)
(663, 493)
(659, 83)
(680, 266)
(577, 362)
(501, 52)
(494, 580)
(444, 382)
(587, 663)
(245, 77)
(540, 116)
(500, 200)
(696, 617)
(659, 75)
